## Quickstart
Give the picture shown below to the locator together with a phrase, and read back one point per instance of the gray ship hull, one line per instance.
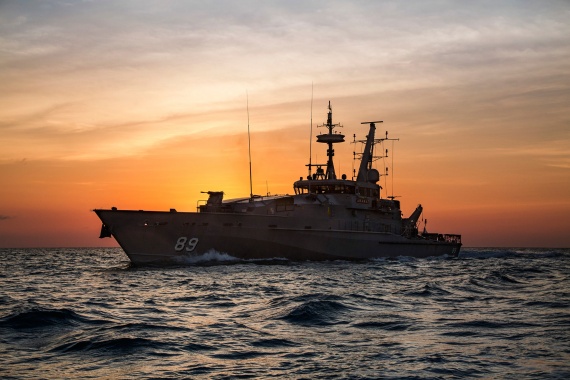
(158, 237)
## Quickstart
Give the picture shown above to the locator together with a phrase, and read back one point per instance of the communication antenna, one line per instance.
(369, 156)
(392, 166)
(249, 149)
(392, 196)
(311, 137)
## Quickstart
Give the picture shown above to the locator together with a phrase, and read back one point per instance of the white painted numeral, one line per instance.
(192, 244)
(181, 243)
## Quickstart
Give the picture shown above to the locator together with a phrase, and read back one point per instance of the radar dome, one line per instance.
(373, 176)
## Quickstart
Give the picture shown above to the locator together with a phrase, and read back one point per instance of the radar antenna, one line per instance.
(329, 138)
(366, 173)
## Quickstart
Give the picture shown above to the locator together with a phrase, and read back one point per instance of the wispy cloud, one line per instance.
(93, 79)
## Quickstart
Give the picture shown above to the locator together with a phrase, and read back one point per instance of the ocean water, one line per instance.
(87, 313)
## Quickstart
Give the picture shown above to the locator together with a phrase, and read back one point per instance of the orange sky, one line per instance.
(142, 105)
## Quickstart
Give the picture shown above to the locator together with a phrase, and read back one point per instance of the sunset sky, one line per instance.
(142, 105)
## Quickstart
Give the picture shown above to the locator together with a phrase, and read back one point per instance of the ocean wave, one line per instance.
(395, 324)
(486, 253)
(497, 280)
(239, 355)
(402, 259)
(548, 304)
(488, 324)
(490, 252)
(5, 300)
(113, 337)
(38, 317)
(285, 300)
(136, 327)
(428, 290)
(406, 318)
(312, 309)
(273, 343)
(122, 344)
(195, 347)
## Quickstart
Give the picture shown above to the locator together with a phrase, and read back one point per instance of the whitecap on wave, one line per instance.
(214, 257)
(210, 256)
(402, 259)
(483, 253)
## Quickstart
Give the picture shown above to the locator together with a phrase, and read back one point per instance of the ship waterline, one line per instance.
(326, 219)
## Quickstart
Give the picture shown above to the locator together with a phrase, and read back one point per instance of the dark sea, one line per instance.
(87, 313)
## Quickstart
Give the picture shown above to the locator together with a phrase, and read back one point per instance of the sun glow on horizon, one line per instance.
(143, 107)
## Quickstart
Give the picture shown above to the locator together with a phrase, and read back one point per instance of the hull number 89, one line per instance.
(184, 242)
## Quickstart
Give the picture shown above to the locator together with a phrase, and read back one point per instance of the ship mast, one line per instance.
(330, 138)
(365, 172)
(366, 160)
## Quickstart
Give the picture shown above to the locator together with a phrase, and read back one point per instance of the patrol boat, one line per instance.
(326, 219)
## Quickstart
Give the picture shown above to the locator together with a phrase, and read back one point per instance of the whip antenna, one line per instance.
(249, 148)
(311, 137)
